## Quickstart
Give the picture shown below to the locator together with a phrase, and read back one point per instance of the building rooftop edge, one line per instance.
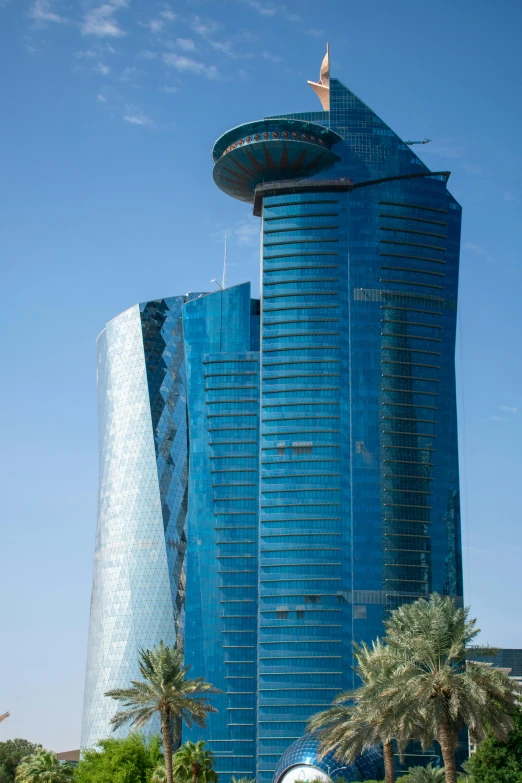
(294, 186)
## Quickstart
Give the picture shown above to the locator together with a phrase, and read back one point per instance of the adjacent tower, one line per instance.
(138, 595)
(358, 463)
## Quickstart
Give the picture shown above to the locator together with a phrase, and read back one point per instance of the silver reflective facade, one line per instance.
(138, 595)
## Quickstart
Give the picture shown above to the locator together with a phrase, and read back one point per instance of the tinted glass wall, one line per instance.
(222, 355)
(359, 503)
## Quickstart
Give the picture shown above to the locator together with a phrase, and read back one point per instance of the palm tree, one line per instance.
(193, 763)
(43, 767)
(243, 779)
(159, 774)
(370, 715)
(166, 690)
(427, 774)
(441, 691)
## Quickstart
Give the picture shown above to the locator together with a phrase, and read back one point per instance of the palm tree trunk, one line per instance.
(167, 745)
(176, 733)
(195, 771)
(389, 765)
(447, 746)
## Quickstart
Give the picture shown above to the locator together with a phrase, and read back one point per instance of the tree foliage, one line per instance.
(129, 760)
(42, 766)
(427, 774)
(372, 714)
(167, 691)
(438, 689)
(11, 754)
(194, 763)
(495, 761)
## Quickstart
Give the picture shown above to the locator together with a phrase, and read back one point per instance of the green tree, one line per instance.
(243, 779)
(166, 690)
(129, 760)
(427, 774)
(11, 754)
(42, 766)
(194, 763)
(159, 775)
(497, 761)
(439, 691)
(372, 714)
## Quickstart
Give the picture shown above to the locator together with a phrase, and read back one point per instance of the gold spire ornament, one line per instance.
(322, 87)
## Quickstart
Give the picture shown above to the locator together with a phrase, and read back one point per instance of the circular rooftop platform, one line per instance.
(270, 151)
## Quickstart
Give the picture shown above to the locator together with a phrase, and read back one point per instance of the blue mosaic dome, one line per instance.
(303, 753)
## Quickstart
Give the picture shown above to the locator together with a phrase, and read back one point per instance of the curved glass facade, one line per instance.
(138, 595)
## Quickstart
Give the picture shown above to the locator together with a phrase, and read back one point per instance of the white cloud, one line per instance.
(272, 10)
(155, 25)
(128, 73)
(187, 44)
(169, 89)
(274, 58)
(102, 68)
(315, 32)
(101, 98)
(101, 22)
(146, 54)
(247, 232)
(498, 418)
(41, 11)
(261, 8)
(204, 28)
(169, 15)
(87, 53)
(182, 63)
(138, 119)
(509, 196)
(508, 409)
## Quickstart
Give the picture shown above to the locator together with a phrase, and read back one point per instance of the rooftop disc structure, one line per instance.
(271, 150)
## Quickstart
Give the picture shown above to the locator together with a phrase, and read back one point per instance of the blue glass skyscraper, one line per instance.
(358, 463)
(323, 486)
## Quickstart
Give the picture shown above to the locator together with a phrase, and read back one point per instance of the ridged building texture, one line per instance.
(138, 595)
(323, 487)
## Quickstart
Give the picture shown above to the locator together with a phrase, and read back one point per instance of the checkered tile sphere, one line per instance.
(368, 766)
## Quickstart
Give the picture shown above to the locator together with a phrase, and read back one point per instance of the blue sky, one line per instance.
(109, 113)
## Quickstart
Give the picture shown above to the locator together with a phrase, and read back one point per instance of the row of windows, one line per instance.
(289, 523)
(323, 392)
(283, 269)
(323, 309)
(298, 364)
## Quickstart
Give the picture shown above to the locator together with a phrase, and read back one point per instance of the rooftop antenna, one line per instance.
(224, 278)
(424, 141)
(216, 282)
